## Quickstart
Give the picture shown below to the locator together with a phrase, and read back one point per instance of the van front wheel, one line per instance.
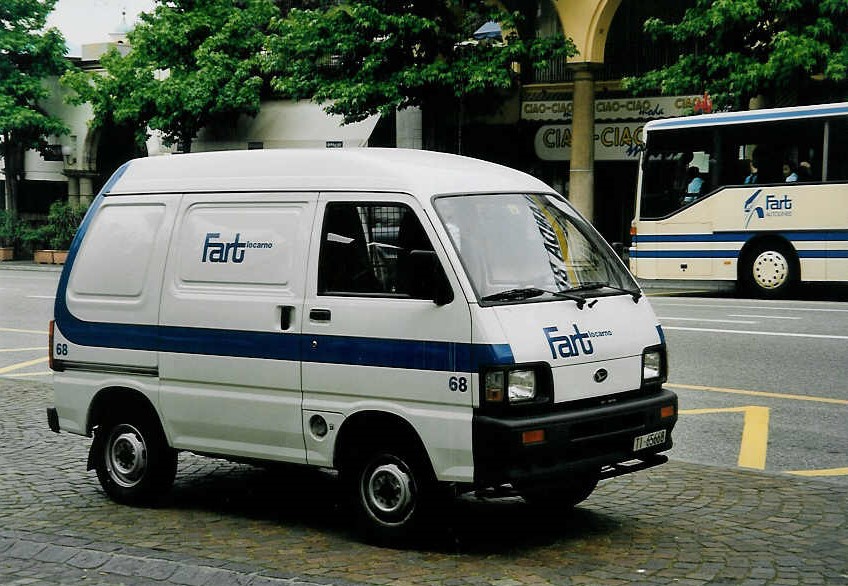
(134, 463)
(390, 490)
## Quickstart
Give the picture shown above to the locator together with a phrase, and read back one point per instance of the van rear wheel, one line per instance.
(134, 463)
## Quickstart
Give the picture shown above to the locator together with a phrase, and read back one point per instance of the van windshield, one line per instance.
(520, 247)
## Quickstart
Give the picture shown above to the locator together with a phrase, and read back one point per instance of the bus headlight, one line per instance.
(654, 365)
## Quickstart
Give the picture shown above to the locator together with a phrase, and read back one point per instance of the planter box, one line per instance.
(7, 253)
(43, 257)
(50, 257)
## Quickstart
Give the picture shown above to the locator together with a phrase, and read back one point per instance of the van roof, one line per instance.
(417, 172)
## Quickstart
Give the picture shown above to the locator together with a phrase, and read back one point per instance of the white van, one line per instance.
(413, 320)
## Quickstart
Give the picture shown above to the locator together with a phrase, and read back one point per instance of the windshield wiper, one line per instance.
(528, 292)
(514, 294)
(634, 293)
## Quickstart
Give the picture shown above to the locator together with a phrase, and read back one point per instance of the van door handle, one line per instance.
(319, 314)
(286, 312)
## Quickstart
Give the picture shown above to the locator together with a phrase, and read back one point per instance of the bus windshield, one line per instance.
(517, 247)
(684, 164)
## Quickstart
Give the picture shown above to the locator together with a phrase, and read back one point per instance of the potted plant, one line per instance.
(10, 232)
(63, 219)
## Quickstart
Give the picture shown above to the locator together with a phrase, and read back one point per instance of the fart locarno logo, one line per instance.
(224, 252)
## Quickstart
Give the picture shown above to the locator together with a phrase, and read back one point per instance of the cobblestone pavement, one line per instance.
(233, 524)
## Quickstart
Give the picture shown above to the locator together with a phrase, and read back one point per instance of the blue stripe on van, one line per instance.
(384, 352)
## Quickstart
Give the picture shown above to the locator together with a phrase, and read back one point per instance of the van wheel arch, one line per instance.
(111, 399)
(774, 249)
(366, 428)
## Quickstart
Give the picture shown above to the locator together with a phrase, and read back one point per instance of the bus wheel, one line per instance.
(134, 463)
(391, 491)
(769, 271)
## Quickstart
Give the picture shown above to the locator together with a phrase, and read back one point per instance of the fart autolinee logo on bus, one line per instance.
(769, 206)
(216, 250)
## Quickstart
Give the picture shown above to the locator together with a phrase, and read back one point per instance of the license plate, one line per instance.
(649, 440)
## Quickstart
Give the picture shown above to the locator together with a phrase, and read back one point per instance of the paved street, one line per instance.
(681, 524)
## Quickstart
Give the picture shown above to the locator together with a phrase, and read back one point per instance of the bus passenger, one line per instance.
(693, 186)
(789, 172)
(752, 176)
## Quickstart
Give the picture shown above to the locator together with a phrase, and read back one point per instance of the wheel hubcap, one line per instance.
(771, 270)
(126, 456)
(389, 490)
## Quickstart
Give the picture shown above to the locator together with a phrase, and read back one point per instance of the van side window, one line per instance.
(365, 249)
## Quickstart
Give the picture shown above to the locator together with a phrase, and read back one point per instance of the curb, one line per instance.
(28, 265)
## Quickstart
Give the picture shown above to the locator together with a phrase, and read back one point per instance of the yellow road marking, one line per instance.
(755, 430)
(23, 349)
(760, 394)
(20, 365)
(17, 331)
(24, 374)
(752, 451)
(824, 472)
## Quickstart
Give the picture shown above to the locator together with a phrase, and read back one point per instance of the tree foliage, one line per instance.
(365, 57)
(28, 55)
(737, 49)
(192, 63)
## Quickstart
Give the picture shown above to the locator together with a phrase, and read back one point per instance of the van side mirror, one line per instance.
(427, 280)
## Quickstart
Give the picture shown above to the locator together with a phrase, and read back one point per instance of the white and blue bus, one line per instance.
(759, 198)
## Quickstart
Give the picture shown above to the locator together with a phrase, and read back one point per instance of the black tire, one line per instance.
(769, 270)
(134, 464)
(391, 491)
(562, 496)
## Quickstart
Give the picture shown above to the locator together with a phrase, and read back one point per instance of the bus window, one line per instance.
(733, 155)
(837, 167)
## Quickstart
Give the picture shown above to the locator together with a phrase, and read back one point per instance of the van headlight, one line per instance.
(654, 365)
(521, 386)
(516, 385)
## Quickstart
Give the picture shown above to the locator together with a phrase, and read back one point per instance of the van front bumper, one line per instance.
(584, 439)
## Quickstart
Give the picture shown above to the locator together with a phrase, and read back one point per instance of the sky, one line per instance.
(91, 21)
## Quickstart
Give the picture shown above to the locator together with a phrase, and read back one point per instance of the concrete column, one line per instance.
(86, 191)
(73, 191)
(581, 179)
(409, 128)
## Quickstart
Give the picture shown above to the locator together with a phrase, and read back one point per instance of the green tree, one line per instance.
(738, 49)
(365, 57)
(191, 64)
(28, 55)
